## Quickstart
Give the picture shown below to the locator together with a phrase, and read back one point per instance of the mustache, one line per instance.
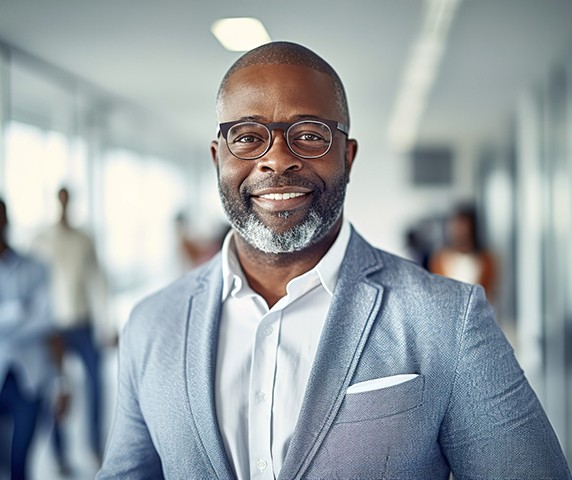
(283, 180)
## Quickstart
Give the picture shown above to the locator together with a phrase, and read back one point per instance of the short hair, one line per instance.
(288, 53)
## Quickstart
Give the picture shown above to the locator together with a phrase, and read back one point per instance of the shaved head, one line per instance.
(280, 53)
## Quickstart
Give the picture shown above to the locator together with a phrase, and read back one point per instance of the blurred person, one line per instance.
(463, 257)
(301, 351)
(79, 299)
(196, 252)
(191, 250)
(416, 247)
(27, 364)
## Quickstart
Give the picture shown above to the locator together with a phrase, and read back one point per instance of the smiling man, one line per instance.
(301, 351)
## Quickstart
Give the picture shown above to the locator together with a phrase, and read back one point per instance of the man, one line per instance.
(302, 351)
(78, 289)
(26, 363)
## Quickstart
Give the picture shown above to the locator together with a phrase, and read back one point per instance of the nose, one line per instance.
(279, 158)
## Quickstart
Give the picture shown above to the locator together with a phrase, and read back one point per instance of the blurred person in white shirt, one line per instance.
(79, 294)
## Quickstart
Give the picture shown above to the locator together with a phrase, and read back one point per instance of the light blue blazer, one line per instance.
(470, 410)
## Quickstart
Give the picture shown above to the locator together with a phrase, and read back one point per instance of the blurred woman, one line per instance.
(463, 258)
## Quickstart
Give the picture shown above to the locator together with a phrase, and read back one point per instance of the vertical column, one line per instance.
(93, 129)
(556, 246)
(566, 192)
(4, 109)
(529, 240)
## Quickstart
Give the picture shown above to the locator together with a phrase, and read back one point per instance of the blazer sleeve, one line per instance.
(130, 453)
(494, 426)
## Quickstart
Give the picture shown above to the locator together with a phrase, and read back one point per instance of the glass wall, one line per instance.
(126, 193)
(527, 192)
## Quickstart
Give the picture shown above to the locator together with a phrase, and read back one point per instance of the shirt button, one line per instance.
(268, 331)
(261, 464)
(260, 397)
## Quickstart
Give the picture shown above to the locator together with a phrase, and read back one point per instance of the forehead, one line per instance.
(278, 92)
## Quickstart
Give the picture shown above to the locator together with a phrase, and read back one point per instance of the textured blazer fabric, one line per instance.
(467, 407)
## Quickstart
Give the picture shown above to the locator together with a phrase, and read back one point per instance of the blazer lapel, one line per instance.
(355, 305)
(202, 334)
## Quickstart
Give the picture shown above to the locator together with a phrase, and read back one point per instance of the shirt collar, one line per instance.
(327, 268)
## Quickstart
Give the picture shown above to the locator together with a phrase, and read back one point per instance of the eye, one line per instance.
(309, 133)
(247, 134)
(310, 137)
(247, 138)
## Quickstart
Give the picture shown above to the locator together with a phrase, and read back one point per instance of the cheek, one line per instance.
(332, 171)
(232, 172)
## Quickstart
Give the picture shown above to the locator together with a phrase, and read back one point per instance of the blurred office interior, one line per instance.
(451, 102)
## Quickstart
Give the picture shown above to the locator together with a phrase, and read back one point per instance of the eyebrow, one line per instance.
(260, 118)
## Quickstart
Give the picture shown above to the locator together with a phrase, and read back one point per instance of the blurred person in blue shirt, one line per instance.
(27, 367)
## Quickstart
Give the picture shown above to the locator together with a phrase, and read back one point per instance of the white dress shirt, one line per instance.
(78, 287)
(264, 359)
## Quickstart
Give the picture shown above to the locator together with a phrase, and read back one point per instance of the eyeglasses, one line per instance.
(306, 139)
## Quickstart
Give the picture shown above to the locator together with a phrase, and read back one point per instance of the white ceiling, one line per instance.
(162, 56)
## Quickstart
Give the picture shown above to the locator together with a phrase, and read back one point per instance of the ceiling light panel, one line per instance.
(240, 34)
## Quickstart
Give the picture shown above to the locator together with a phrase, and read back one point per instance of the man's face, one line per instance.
(281, 203)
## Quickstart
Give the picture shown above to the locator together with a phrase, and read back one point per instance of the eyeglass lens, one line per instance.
(308, 139)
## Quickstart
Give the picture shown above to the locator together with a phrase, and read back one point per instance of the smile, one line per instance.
(282, 196)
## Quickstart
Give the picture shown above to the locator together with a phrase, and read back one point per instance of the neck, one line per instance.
(465, 247)
(268, 274)
(64, 220)
(3, 245)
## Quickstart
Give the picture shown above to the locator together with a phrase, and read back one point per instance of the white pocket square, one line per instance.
(379, 383)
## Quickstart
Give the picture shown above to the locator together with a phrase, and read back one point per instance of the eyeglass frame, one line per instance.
(333, 126)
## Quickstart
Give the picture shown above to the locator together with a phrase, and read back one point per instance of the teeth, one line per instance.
(281, 196)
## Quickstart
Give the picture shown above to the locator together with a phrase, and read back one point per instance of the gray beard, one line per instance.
(321, 218)
(310, 231)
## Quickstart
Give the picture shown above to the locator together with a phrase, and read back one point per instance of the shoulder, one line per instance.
(170, 303)
(30, 267)
(405, 281)
(361, 254)
(77, 236)
(57, 234)
(433, 313)
(31, 262)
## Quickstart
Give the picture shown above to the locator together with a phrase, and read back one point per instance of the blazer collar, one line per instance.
(327, 268)
(356, 303)
(202, 333)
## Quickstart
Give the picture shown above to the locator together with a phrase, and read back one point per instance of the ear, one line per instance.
(214, 152)
(351, 152)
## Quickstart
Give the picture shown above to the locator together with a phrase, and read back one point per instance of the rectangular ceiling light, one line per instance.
(420, 73)
(240, 34)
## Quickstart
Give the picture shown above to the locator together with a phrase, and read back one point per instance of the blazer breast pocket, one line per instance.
(382, 402)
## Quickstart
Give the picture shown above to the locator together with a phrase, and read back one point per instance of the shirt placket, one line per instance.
(261, 395)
